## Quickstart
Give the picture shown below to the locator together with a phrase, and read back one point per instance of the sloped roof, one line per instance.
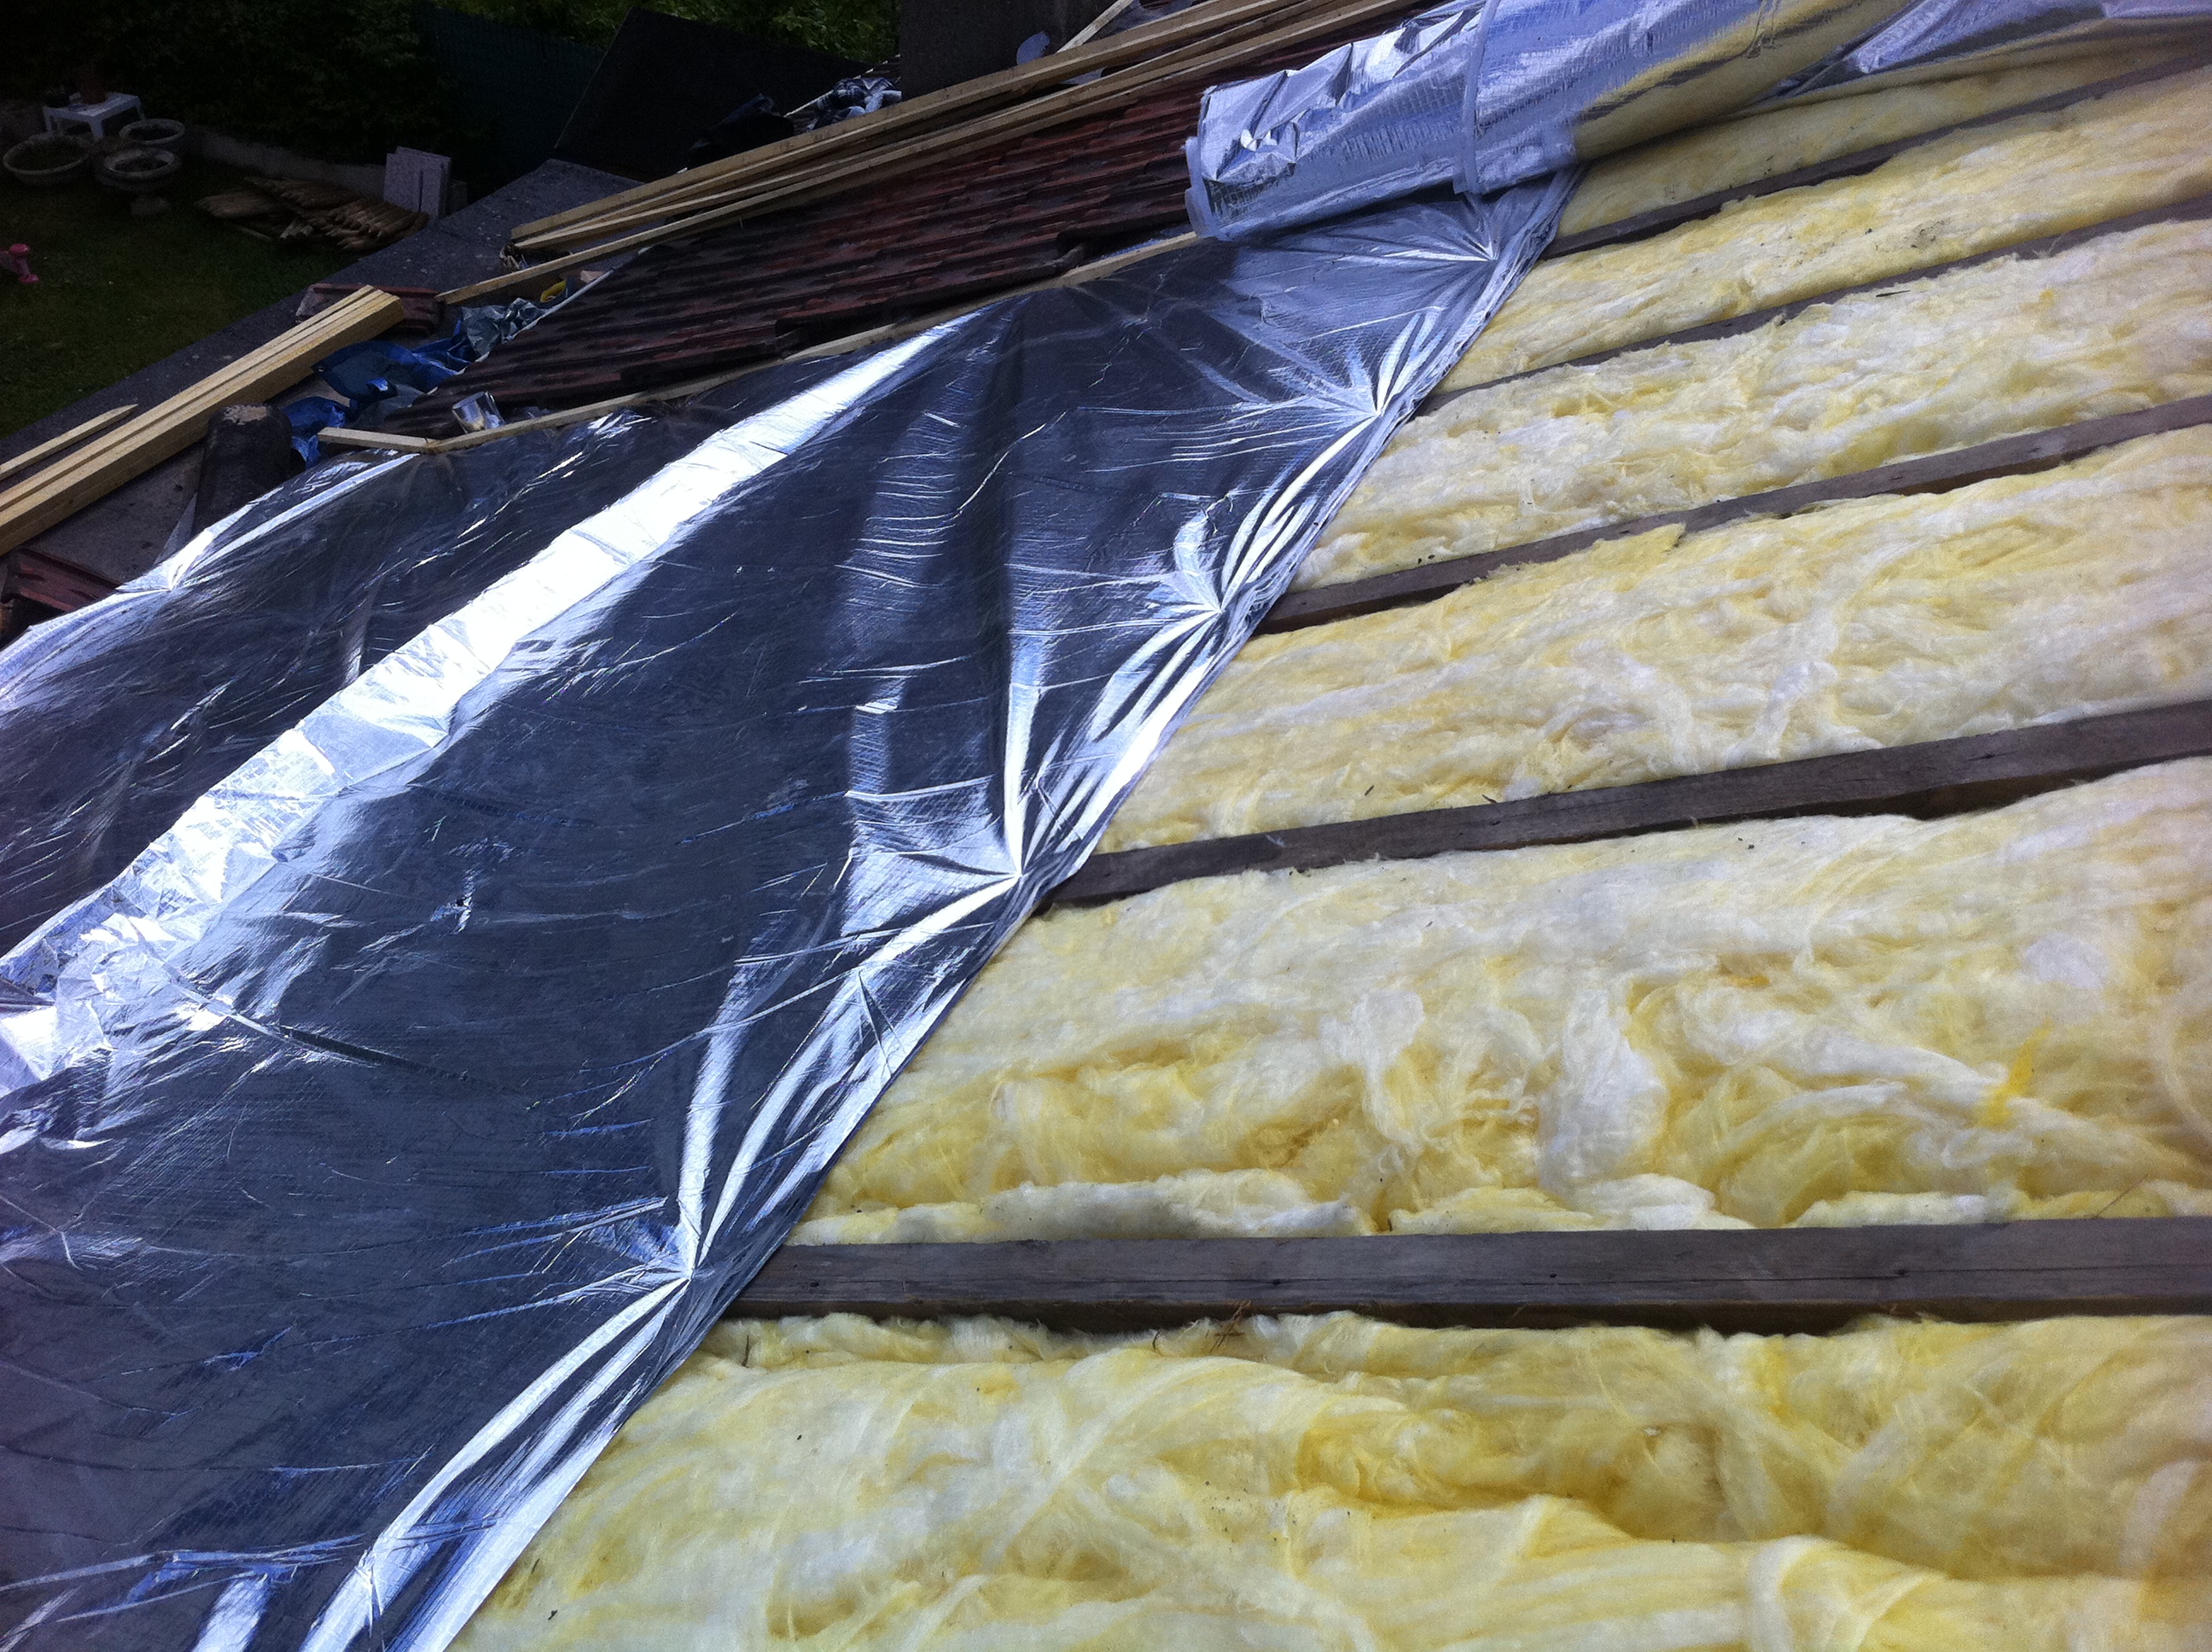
(1019, 212)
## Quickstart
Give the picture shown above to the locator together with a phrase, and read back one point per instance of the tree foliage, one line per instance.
(349, 82)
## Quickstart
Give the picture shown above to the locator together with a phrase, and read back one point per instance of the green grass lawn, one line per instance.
(116, 293)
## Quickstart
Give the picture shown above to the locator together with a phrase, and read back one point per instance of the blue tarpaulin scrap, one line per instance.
(384, 1134)
(378, 375)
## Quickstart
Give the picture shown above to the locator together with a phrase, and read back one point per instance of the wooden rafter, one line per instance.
(1768, 1281)
(1785, 1279)
(131, 449)
(1935, 777)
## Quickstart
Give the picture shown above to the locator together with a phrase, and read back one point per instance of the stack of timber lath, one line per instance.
(91, 461)
(1192, 48)
(1446, 1177)
(886, 222)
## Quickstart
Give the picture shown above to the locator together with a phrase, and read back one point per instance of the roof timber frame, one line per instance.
(2039, 450)
(1929, 780)
(769, 164)
(1773, 1280)
(1789, 1280)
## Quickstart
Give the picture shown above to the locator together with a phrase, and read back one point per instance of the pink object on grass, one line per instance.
(18, 259)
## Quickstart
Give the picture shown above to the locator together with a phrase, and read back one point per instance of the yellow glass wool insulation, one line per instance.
(1879, 622)
(1764, 145)
(1819, 1022)
(2117, 323)
(1340, 1486)
(2015, 180)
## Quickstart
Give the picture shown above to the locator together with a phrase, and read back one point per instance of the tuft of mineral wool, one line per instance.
(979, 1486)
(1814, 1021)
(1770, 141)
(1881, 621)
(1971, 191)
(2112, 326)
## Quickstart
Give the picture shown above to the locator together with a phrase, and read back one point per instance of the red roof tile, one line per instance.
(1021, 212)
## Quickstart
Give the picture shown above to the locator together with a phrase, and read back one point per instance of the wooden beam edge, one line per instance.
(1930, 779)
(57, 493)
(70, 438)
(1758, 1279)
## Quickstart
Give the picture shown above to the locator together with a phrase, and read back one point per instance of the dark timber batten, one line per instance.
(1937, 472)
(1766, 1280)
(1936, 778)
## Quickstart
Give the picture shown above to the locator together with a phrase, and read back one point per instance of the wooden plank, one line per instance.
(176, 424)
(1643, 225)
(1062, 103)
(1934, 778)
(2008, 456)
(828, 175)
(2046, 246)
(424, 312)
(934, 110)
(108, 461)
(339, 436)
(342, 436)
(92, 426)
(1789, 1279)
(1082, 36)
(329, 329)
(810, 185)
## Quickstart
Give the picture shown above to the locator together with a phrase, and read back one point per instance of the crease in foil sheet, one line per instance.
(399, 1117)
(1498, 94)
(1941, 37)
(1370, 121)
(115, 717)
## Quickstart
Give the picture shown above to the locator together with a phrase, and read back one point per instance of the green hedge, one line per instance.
(342, 82)
(349, 81)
